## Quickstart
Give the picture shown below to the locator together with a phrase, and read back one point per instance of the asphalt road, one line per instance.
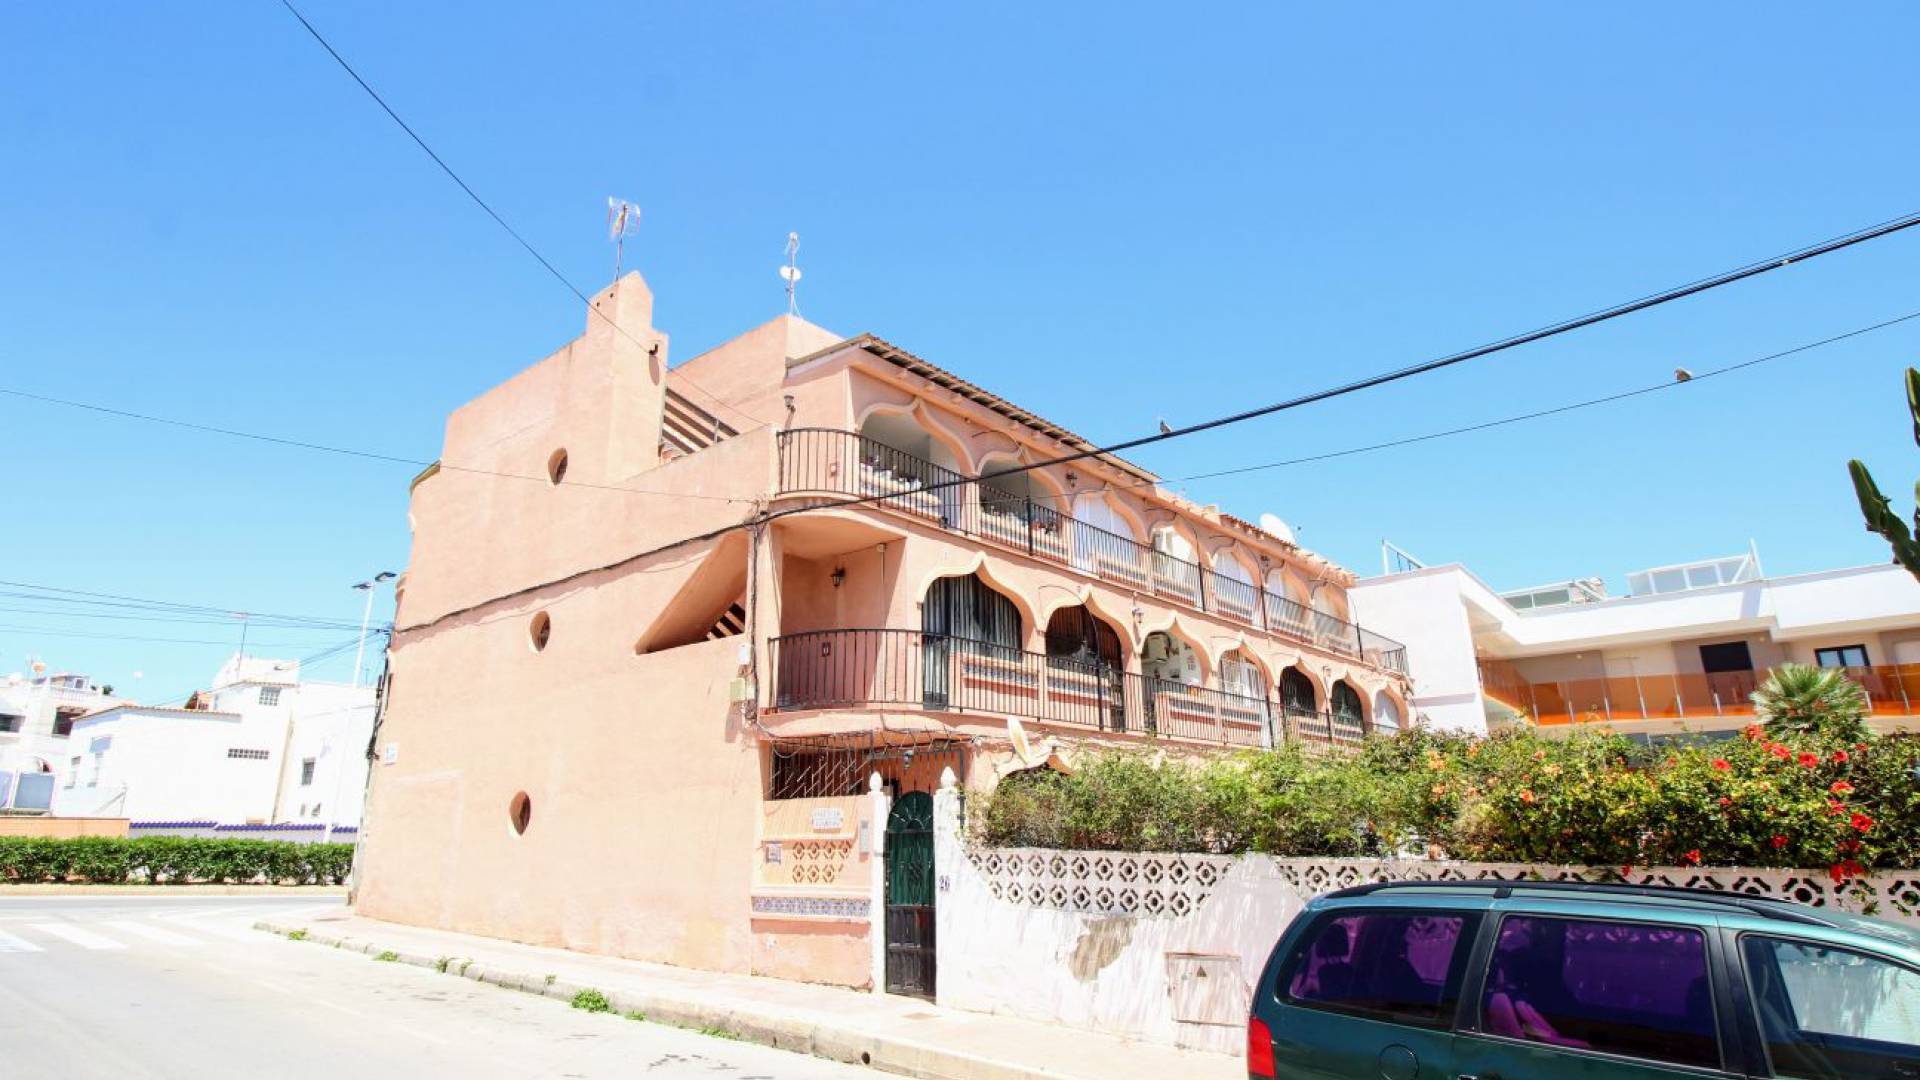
(135, 987)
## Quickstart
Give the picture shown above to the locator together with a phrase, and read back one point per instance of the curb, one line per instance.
(834, 1042)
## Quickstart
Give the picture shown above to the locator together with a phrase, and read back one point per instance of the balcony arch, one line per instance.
(902, 451)
(1105, 541)
(978, 565)
(1024, 509)
(1116, 618)
(1236, 592)
(1172, 655)
(964, 622)
(1299, 691)
(1349, 708)
(1176, 562)
(1242, 673)
(1086, 667)
(1388, 717)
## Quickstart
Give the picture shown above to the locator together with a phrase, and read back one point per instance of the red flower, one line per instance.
(1691, 858)
(1778, 750)
(1809, 759)
(1526, 796)
(1626, 871)
(1834, 809)
(1721, 764)
(1779, 841)
(1839, 757)
(1841, 871)
(1753, 731)
(1861, 821)
(1840, 787)
(1724, 801)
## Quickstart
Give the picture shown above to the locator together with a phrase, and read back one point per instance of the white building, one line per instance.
(37, 712)
(260, 747)
(1681, 652)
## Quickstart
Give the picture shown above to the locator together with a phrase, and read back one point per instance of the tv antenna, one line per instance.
(623, 220)
(791, 272)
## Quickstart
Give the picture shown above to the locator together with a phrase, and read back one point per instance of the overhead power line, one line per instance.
(345, 451)
(1665, 296)
(1667, 384)
(490, 211)
(115, 600)
(229, 642)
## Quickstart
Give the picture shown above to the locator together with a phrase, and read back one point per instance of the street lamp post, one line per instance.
(366, 616)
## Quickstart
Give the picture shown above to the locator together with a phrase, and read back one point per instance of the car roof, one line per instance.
(1606, 893)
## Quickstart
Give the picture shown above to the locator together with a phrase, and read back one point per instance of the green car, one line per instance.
(1509, 980)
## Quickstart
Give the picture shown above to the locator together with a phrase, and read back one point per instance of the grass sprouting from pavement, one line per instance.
(592, 1001)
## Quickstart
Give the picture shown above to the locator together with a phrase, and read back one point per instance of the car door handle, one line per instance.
(1477, 1076)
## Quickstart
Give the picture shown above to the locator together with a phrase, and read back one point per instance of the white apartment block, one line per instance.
(260, 747)
(37, 712)
(1680, 653)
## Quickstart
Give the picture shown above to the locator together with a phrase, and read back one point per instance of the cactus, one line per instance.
(1875, 507)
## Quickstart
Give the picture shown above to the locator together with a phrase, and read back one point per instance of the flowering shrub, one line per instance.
(1801, 800)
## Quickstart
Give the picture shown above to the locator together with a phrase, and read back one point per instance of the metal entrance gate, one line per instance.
(910, 896)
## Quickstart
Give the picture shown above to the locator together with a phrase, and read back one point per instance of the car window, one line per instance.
(1828, 1012)
(1622, 988)
(1389, 963)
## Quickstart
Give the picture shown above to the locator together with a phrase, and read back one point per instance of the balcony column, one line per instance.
(763, 616)
(877, 811)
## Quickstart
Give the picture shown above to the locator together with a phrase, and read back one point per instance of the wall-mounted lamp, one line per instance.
(839, 575)
(1072, 478)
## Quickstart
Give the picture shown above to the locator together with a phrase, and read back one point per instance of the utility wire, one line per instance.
(490, 211)
(1652, 300)
(346, 451)
(140, 603)
(42, 631)
(1669, 384)
(183, 619)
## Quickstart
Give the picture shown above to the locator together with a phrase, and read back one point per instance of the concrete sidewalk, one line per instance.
(895, 1034)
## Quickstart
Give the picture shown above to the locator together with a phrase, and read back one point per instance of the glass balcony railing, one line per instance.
(1892, 690)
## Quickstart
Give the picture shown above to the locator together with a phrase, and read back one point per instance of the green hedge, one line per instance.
(171, 860)
(1802, 800)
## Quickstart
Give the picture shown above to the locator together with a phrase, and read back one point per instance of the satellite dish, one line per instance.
(1273, 526)
(1017, 732)
(790, 274)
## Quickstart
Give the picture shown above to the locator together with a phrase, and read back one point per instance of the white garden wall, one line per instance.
(1166, 948)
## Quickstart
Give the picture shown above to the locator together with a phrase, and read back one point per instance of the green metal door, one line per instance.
(910, 896)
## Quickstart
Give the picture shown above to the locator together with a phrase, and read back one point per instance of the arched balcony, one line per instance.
(898, 462)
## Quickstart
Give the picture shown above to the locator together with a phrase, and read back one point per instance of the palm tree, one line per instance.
(1802, 700)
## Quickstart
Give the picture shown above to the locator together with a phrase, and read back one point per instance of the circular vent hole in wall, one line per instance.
(520, 813)
(540, 630)
(557, 467)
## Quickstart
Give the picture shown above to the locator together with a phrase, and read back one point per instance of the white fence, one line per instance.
(1165, 948)
(299, 833)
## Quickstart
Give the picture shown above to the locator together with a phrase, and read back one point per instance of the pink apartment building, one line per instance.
(654, 694)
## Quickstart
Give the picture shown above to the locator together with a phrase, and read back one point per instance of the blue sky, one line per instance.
(1109, 214)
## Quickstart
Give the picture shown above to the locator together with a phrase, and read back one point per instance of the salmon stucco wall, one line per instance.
(62, 828)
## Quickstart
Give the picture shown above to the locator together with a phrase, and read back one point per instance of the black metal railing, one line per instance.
(830, 461)
(831, 669)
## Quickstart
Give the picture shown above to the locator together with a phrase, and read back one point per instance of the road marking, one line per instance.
(86, 939)
(151, 933)
(214, 921)
(325, 1004)
(10, 943)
